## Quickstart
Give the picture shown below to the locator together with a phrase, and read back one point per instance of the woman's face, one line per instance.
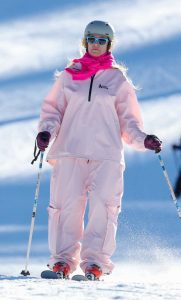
(97, 49)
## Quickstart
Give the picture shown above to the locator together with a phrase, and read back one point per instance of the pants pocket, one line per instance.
(53, 184)
(53, 224)
(109, 244)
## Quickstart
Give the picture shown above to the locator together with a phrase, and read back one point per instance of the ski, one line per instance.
(79, 277)
(48, 274)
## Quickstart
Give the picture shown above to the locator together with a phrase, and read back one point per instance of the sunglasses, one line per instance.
(95, 40)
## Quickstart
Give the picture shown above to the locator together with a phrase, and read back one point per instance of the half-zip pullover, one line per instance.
(95, 131)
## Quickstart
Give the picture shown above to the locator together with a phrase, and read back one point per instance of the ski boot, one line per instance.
(62, 270)
(93, 272)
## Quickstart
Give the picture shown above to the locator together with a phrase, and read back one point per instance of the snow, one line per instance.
(128, 282)
(33, 37)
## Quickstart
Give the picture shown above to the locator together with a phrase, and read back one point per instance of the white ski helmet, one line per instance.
(100, 27)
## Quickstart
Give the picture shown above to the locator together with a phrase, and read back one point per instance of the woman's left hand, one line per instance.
(152, 142)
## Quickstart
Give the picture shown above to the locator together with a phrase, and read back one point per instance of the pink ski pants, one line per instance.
(71, 179)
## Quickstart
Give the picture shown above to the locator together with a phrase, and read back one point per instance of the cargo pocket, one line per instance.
(53, 183)
(53, 229)
(109, 244)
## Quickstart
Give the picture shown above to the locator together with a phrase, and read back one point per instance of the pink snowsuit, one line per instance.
(88, 119)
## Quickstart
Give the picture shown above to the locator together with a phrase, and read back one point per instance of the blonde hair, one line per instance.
(120, 66)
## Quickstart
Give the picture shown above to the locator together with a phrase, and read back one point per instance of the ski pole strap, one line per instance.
(169, 185)
(36, 154)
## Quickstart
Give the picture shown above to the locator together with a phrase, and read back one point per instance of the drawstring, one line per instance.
(35, 154)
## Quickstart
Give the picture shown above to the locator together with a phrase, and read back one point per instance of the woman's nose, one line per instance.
(96, 45)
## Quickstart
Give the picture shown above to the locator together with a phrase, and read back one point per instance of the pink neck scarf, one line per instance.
(90, 65)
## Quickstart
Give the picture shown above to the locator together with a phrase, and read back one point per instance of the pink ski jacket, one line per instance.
(91, 118)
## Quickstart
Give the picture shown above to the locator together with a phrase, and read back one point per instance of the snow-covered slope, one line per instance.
(135, 281)
(33, 39)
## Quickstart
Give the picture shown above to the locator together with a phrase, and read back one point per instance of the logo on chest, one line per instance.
(103, 86)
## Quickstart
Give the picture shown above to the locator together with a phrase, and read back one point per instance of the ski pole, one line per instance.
(169, 185)
(25, 272)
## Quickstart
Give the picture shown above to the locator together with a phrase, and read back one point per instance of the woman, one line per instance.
(91, 109)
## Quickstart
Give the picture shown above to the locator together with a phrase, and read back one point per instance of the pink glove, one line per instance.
(43, 139)
(152, 142)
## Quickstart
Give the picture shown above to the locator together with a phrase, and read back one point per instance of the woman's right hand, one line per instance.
(43, 139)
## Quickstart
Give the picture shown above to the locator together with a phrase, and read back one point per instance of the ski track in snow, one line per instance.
(129, 281)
